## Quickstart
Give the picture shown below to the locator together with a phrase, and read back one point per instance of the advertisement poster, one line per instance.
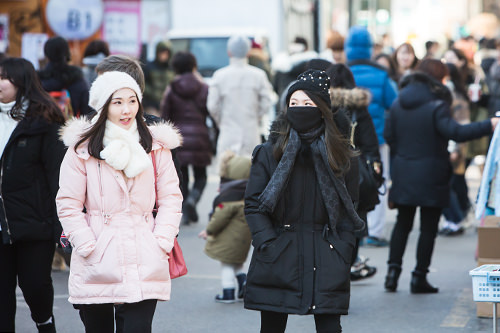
(122, 27)
(4, 32)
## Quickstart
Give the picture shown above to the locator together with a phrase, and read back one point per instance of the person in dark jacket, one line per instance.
(370, 75)
(58, 75)
(417, 130)
(31, 154)
(158, 75)
(354, 103)
(184, 104)
(300, 214)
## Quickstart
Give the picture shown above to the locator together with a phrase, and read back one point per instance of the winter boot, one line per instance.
(242, 283)
(190, 205)
(47, 327)
(419, 284)
(227, 296)
(391, 279)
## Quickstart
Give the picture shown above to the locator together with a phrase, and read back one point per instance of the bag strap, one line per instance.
(354, 124)
(156, 185)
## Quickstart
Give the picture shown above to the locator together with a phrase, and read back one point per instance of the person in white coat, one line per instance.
(238, 97)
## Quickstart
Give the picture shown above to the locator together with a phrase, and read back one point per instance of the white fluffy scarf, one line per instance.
(122, 149)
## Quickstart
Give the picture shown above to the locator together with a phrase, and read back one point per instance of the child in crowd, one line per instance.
(227, 233)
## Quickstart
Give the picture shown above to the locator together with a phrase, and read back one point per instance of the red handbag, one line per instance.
(176, 264)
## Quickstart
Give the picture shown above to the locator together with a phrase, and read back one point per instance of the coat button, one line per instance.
(314, 307)
(331, 246)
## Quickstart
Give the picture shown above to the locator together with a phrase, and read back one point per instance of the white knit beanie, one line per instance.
(105, 85)
(238, 46)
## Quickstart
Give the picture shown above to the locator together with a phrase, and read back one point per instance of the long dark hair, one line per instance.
(458, 80)
(337, 146)
(21, 73)
(95, 134)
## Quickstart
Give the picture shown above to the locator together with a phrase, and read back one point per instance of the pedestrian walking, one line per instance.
(238, 97)
(371, 76)
(29, 173)
(405, 59)
(417, 129)
(119, 249)
(227, 233)
(157, 74)
(58, 75)
(300, 214)
(185, 105)
(459, 204)
(94, 53)
(354, 103)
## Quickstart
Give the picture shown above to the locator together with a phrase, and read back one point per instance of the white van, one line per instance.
(209, 46)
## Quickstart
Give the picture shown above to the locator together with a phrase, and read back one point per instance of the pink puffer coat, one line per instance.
(119, 249)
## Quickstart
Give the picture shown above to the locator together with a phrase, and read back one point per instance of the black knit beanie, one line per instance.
(313, 81)
(56, 49)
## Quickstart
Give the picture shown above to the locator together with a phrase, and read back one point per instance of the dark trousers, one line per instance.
(200, 180)
(130, 317)
(29, 264)
(429, 219)
(362, 215)
(275, 322)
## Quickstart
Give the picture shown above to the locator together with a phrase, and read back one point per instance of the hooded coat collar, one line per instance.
(165, 135)
(419, 88)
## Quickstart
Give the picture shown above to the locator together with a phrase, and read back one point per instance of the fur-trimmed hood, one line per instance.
(350, 98)
(164, 133)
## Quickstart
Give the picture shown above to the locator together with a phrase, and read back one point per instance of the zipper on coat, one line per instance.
(3, 205)
(105, 216)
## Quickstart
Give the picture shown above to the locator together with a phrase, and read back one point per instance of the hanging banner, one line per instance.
(122, 27)
(4, 32)
(71, 20)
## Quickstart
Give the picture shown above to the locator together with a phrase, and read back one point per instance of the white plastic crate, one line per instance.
(486, 283)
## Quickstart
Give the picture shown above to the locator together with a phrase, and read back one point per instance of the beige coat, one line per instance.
(239, 96)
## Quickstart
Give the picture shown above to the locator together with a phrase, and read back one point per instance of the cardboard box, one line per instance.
(488, 251)
(488, 245)
(485, 309)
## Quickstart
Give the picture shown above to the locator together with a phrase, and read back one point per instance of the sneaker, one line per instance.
(375, 242)
(451, 232)
(360, 270)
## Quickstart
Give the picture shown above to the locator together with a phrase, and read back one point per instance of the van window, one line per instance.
(210, 52)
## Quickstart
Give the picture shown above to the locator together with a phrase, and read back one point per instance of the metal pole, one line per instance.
(494, 317)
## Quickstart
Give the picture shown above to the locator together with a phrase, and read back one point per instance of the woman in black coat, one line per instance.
(185, 105)
(417, 130)
(31, 154)
(300, 214)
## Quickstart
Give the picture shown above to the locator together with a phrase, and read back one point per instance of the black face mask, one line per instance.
(304, 118)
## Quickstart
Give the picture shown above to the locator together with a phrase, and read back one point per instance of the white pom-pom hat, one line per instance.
(107, 84)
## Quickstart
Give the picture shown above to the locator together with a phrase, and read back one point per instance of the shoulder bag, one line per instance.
(177, 265)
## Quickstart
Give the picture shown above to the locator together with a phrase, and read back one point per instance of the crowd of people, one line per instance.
(89, 153)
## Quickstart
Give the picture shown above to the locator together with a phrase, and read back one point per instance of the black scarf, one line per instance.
(331, 187)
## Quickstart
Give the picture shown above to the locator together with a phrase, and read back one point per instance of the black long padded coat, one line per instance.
(29, 182)
(306, 266)
(417, 130)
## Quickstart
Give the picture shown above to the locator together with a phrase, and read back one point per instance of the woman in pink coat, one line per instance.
(105, 203)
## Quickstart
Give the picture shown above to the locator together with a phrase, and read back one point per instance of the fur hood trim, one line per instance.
(164, 134)
(350, 98)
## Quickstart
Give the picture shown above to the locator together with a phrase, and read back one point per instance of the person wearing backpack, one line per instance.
(354, 102)
(59, 76)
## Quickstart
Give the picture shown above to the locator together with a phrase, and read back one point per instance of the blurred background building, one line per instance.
(134, 26)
